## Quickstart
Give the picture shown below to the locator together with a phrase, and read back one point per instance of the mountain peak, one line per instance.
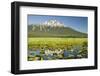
(53, 23)
(53, 28)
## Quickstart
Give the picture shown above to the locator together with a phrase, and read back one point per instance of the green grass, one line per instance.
(78, 45)
(55, 42)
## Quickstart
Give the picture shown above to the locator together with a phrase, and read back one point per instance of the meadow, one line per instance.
(57, 48)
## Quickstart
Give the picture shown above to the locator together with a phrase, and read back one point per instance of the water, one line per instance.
(56, 54)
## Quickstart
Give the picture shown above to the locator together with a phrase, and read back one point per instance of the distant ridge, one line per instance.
(53, 28)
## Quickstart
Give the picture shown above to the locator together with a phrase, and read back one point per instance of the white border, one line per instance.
(26, 65)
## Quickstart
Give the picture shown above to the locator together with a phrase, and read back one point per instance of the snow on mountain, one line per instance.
(53, 23)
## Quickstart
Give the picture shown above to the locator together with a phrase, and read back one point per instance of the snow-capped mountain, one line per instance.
(53, 28)
(53, 23)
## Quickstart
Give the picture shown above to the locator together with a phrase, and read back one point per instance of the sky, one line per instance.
(78, 23)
